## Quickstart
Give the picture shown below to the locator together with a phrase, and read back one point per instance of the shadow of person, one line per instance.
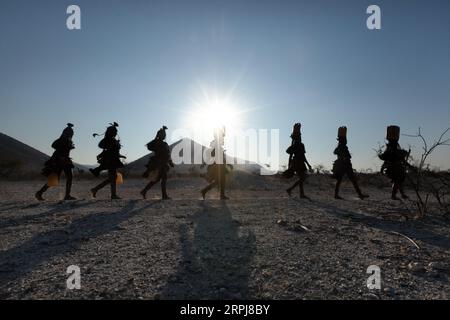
(16, 262)
(216, 258)
(418, 230)
(41, 217)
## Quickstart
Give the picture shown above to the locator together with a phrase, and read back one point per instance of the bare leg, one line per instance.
(112, 178)
(402, 191)
(41, 191)
(207, 188)
(163, 186)
(222, 182)
(100, 186)
(149, 186)
(356, 186)
(289, 190)
(394, 191)
(302, 190)
(69, 178)
(336, 189)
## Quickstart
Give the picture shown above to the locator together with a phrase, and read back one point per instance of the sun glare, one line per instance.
(213, 113)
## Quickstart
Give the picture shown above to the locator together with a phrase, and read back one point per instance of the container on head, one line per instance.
(296, 129)
(393, 133)
(342, 132)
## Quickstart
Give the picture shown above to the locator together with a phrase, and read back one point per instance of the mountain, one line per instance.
(24, 157)
(138, 166)
(19, 158)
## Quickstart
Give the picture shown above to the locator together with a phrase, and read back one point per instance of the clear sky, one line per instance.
(142, 63)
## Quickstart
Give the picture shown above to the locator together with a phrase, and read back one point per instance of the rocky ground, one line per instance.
(258, 245)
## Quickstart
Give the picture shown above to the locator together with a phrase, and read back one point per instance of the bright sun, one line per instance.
(214, 112)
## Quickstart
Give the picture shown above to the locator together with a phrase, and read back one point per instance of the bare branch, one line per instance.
(408, 238)
(418, 181)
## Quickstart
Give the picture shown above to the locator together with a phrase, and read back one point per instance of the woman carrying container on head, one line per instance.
(395, 162)
(297, 161)
(343, 165)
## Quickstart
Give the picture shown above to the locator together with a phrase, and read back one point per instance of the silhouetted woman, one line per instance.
(297, 161)
(109, 159)
(60, 161)
(343, 165)
(395, 162)
(217, 170)
(159, 163)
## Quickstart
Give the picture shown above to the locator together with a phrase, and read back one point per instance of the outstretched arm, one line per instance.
(307, 163)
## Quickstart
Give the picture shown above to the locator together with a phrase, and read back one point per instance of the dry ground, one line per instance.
(258, 245)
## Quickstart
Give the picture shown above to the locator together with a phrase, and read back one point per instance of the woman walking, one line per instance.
(109, 159)
(59, 162)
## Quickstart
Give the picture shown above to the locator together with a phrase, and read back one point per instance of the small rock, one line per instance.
(436, 266)
(371, 296)
(267, 296)
(416, 267)
(389, 291)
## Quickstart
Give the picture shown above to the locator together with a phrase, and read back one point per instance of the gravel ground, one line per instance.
(258, 245)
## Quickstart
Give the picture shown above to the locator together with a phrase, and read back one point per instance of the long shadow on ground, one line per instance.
(216, 262)
(18, 261)
(417, 231)
(30, 218)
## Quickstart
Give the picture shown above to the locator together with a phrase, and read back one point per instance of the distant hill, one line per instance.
(25, 158)
(19, 158)
(138, 166)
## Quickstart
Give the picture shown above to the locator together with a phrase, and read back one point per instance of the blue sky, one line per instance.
(141, 62)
